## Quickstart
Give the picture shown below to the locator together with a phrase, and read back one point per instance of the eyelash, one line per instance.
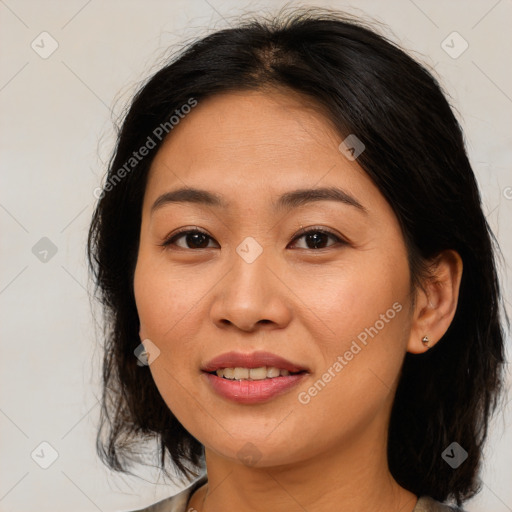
(303, 232)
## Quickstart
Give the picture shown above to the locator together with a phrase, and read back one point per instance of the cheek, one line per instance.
(170, 305)
(361, 317)
(162, 298)
(357, 296)
(357, 373)
(164, 305)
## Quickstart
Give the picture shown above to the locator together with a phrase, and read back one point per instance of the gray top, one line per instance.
(178, 502)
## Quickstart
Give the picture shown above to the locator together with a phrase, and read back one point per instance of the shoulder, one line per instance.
(428, 504)
(178, 502)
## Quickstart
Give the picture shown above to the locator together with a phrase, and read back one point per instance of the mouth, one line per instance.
(239, 385)
(261, 373)
(255, 366)
(252, 378)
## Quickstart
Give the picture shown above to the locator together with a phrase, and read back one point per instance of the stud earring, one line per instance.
(426, 341)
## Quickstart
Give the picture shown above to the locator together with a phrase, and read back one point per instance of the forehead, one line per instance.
(254, 145)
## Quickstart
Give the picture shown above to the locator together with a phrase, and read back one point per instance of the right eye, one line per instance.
(194, 239)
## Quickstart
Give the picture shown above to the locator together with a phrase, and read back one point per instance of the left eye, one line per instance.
(196, 239)
(317, 238)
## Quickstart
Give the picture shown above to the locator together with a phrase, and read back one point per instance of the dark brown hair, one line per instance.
(414, 154)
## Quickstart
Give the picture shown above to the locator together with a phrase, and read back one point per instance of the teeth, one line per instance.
(272, 371)
(229, 373)
(264, 372)
(241, 373)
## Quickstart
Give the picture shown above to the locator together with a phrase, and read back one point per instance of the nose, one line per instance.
(252, 296)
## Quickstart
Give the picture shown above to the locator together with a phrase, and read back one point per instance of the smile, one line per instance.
(264, 372)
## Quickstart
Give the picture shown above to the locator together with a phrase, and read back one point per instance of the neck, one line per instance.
(354, 477)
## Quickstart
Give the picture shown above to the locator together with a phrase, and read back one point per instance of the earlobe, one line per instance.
(142, 331)
(436, 302)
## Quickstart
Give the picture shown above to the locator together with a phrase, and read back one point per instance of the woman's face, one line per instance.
(337, 305)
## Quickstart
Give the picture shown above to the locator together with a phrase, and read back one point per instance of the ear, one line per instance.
(142, 331)
(436, 301)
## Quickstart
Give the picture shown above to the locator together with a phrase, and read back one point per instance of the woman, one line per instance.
(299, 284)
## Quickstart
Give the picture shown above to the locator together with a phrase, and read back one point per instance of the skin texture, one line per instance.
(302, 303)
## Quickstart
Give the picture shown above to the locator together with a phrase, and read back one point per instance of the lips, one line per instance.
(252, 360)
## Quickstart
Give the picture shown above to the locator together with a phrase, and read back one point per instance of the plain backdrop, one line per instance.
(68, 69)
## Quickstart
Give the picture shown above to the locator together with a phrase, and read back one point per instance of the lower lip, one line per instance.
(253, 391)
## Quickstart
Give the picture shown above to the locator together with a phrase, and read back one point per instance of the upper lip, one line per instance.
(253, 360)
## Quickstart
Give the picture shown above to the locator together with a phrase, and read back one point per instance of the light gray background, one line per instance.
(56, 135)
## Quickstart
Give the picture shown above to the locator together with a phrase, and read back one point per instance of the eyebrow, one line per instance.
(287, 201)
